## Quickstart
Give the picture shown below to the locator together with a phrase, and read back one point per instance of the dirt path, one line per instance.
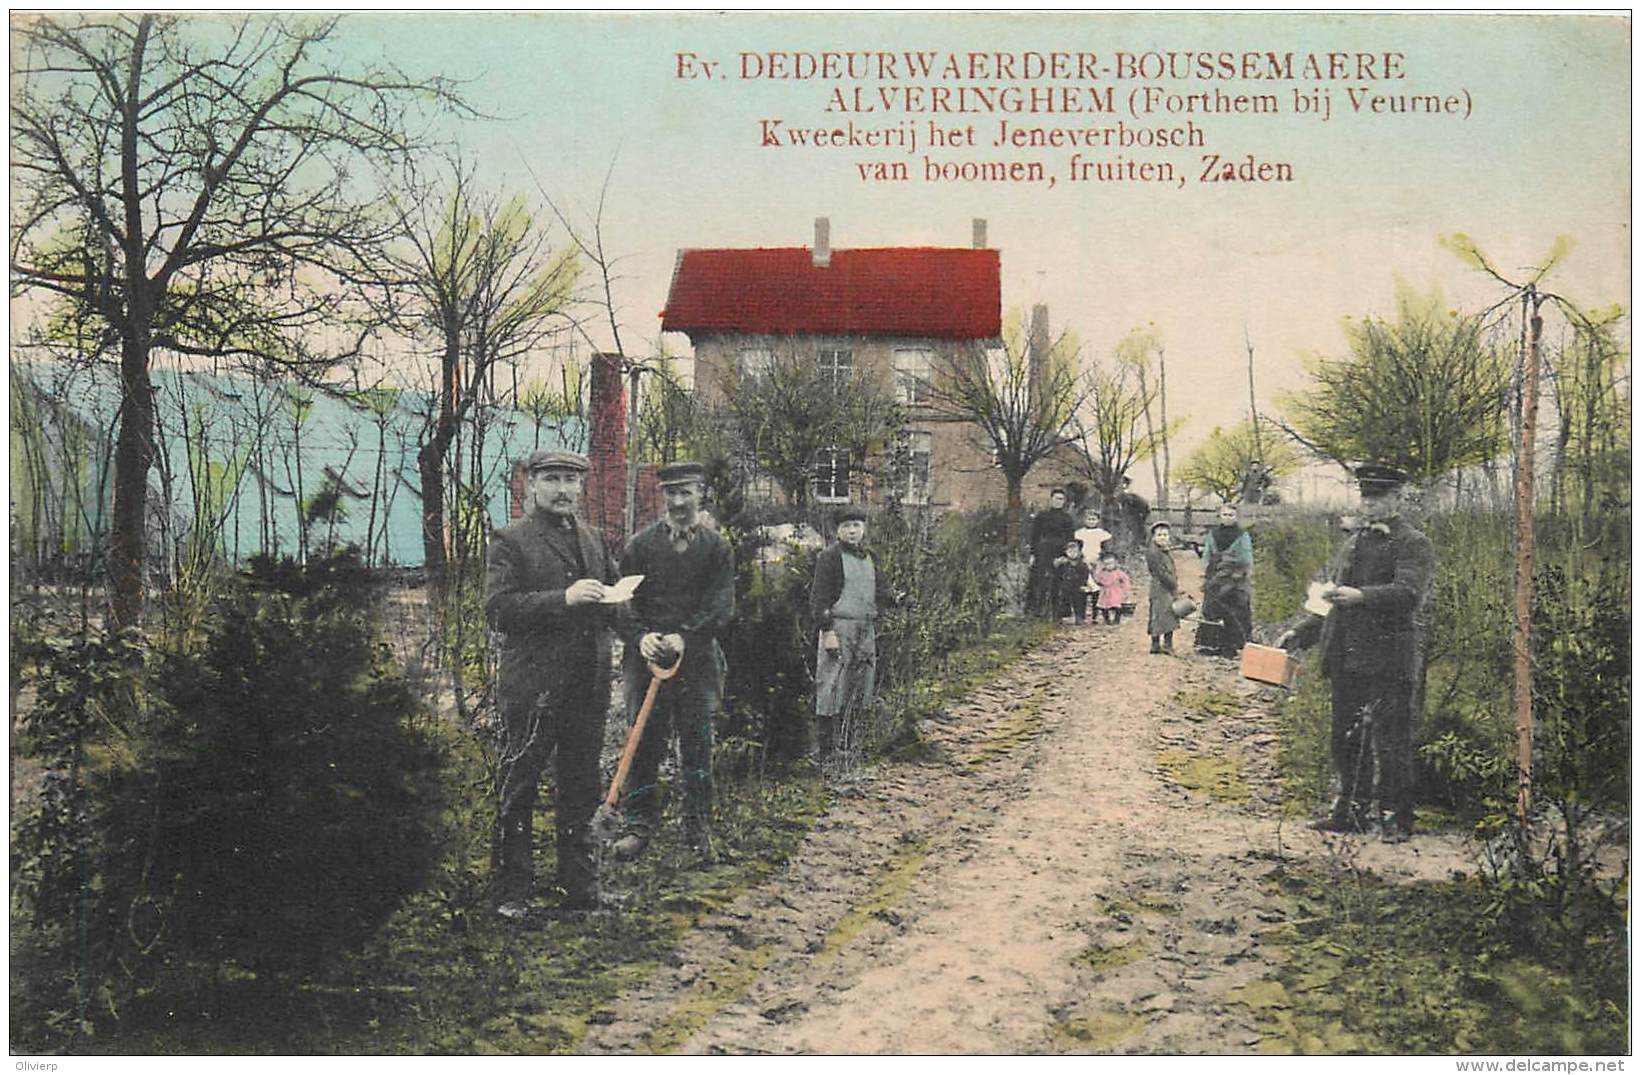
(1084, 866)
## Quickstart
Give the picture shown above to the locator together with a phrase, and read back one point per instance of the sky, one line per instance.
(1544, 150)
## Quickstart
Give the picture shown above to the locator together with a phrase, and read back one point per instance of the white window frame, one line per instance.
(827, 459)
(917, 484)
(913, 368)
(836, 365)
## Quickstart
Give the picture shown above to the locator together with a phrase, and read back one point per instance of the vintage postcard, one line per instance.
(754, 533)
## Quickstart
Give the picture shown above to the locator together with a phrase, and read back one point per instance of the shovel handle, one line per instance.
(657, 676)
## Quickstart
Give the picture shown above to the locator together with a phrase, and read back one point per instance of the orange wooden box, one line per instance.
(1267, 664)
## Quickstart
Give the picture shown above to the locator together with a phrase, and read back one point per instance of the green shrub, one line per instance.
(1288, 553)
(262, 802)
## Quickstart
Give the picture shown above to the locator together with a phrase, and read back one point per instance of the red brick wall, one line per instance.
(606, 502)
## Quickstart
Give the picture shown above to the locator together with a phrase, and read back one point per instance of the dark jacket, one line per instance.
(546, 646)
(1050, 530)
(691, 594)
(1379, 637)
(827, 586)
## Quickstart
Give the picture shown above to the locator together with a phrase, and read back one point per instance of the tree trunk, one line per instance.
(1013, 518)
(132, 455)
(1524, 565)
(1162, 404)
(430, 467)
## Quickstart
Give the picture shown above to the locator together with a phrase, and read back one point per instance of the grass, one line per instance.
(1377, 968)
(446, 977)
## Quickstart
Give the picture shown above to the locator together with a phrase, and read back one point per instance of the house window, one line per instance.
(831, 478)
(916, 457)
(755, 362)
(912, 368)
(837, 365)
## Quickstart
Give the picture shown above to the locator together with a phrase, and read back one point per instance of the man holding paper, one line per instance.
(548, 585)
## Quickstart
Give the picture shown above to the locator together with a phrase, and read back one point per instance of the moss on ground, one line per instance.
(1098, 1031)
(710, 994)
(1015, 728)
(1101, 959)
(1213, 703)
(1215, 775)
(888, 888)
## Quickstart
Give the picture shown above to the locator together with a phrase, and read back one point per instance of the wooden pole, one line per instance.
(1524, 559)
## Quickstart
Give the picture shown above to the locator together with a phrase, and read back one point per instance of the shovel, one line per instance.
(607, 818)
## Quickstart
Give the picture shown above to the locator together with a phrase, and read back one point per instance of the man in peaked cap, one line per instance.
(545, 587)
(681, 611)
(1371, 646)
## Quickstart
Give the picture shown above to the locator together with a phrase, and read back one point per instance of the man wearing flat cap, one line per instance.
(844, 598)
(1371, 646)
(681, 611)
(545, 586)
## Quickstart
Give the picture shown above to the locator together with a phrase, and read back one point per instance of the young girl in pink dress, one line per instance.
(1114, 585)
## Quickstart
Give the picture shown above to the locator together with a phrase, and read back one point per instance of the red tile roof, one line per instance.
(941, 292)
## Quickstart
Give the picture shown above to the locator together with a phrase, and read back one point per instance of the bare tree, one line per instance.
(795, 422)
(1135, 352)
(1531, 298)
(1109, 439)
(1221, 464)
(193, 184)
(1022, 408)
(489, 288)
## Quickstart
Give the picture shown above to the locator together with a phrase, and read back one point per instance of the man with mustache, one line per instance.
(545, 584)
(681, 611)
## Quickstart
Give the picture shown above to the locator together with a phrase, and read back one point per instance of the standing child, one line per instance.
(1114, 585)
(1159, 561)
(1070, 580)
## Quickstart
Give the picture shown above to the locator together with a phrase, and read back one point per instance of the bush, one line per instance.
(947, 570)
(263, 802)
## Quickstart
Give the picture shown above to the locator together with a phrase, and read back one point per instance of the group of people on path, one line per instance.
(552, 599)
(1375, 598)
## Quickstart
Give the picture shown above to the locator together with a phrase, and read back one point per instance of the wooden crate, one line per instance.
(1268, 664)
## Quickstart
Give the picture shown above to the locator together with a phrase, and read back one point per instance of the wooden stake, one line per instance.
(1524, 560)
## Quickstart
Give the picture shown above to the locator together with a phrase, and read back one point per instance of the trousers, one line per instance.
(685, 707)
(570, 731)
(1372, 729)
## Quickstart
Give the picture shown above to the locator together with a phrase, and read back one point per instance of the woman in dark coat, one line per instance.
(1227, 586)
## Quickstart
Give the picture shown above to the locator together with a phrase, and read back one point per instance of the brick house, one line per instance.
(892, 314)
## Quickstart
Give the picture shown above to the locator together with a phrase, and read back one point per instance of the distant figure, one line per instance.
(1115, 586)
(1227, 586)
(1371, 653)
(1132, 512)
(1051, 528)
(1160, 620)
(1071, 582)
(845, 597)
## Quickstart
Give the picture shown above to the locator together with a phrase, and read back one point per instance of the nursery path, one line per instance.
(1085, 864)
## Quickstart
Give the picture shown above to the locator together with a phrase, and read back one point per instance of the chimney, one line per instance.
(1037, 346)
(980, 233)
(823, 242)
